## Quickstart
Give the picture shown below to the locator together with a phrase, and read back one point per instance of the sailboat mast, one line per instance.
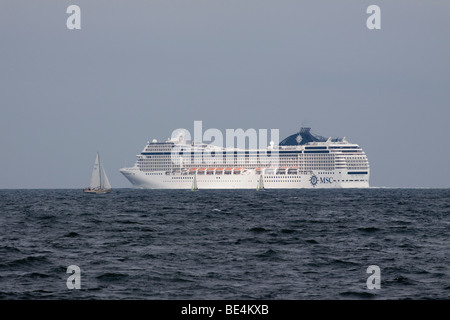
(100, 171)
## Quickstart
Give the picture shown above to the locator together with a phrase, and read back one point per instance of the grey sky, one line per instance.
(137, 70)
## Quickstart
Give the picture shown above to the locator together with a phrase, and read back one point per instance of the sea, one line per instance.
(307, 244)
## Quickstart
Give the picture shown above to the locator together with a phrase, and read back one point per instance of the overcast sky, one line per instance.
(137, 70)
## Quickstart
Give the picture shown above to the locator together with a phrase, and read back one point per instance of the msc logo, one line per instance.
(314, 180)
(326, 180)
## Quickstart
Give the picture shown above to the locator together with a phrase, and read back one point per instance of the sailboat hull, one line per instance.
(87, 190)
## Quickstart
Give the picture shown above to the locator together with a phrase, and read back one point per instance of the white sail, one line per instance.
(194, 183)
(95, 177)
(105, 180)
(99, 180)
(260, 183)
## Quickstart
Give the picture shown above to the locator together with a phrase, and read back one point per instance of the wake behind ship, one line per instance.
(305, 160)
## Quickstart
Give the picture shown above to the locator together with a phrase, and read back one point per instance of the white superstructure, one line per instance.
(304, 161)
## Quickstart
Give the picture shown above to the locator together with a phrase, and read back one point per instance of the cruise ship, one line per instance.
(304, 160)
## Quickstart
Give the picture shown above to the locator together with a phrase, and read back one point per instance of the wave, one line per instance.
(258, 229)
(358, 294)
(112, 276)
(368, 229)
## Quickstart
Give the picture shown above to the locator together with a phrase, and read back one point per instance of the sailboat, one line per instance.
(99, 180)
(194, 184)
(260, 183)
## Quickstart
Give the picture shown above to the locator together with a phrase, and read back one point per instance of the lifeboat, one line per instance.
(259, 170)
(237, 170)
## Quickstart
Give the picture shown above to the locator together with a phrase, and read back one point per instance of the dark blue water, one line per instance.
(227, 244)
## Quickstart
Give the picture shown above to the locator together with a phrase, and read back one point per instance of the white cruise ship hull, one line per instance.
(302, 160)
(161, 180)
